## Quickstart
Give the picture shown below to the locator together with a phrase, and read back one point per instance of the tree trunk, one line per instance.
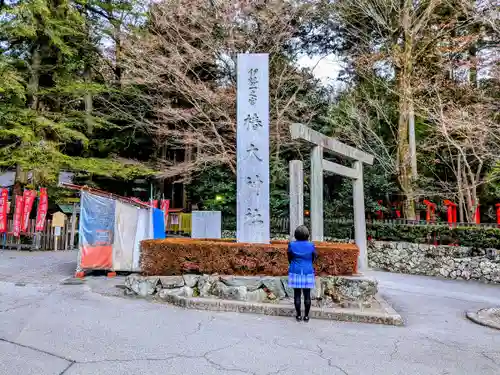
(468, 196)
(413, 141)
(87, 76)
(405, 111)
(21, 177)
(461, 201)
(34, 81)
(118, 53)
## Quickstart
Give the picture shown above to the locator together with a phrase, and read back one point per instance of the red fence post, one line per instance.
(452, 212)
(498, 213)
(431, 210)
(477, 216)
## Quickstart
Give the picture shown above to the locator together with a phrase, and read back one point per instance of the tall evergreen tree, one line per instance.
(42, 117)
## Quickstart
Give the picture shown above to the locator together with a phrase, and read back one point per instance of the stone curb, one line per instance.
(388, 317)
(484, 317)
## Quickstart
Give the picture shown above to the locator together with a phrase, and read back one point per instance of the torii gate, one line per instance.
(318, 165)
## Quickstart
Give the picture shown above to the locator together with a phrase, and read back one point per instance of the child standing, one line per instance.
(301, 255)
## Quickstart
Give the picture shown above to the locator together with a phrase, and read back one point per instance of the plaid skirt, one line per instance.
(300, 280)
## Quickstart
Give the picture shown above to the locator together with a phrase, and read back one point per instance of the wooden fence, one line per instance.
(45, 240)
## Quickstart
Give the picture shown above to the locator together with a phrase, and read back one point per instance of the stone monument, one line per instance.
(320, 142)
(252, 148)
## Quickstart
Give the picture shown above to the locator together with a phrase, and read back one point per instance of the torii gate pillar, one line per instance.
(318, 166)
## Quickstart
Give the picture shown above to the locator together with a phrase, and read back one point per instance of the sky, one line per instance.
(325, 68)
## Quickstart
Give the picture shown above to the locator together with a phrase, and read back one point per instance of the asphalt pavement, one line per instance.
(48, 328)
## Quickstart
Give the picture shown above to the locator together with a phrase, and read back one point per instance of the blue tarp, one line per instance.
(97, 221)
(158, 223)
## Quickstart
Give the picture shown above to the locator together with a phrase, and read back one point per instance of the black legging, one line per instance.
(297, 301)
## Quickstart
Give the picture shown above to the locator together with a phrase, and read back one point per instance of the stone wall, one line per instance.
(452, 262)
(331, 291)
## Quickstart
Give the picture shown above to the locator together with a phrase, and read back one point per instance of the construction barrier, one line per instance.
(111, 231)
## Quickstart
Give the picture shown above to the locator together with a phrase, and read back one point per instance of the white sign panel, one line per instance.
(253, 148)
(206, 224)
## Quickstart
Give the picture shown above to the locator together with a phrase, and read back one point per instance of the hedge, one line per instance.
(470, 236)
(476, 237)
(176, 256)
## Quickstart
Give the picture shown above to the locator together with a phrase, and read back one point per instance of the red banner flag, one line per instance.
(18, 215)
(154, 204)
(28, 198)
(43, 206)
(164, 206)
(4, 205)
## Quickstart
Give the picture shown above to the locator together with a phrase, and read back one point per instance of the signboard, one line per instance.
(253, 223)
(206, 224)
(68, 208)
(69, 200)
(58, 219)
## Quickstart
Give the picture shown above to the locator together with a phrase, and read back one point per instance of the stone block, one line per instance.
(171, 282)
(252, 283)
(221, 290)
(274, 285)
(206, 224)
(191, 280)
(288, 290)
(317, 292)
(258, 295)
(205, 284)
(141, 285)
(354, 288)
(185, 291)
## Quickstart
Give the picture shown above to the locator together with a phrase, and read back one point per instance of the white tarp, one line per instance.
(126, 218)
(144, 231)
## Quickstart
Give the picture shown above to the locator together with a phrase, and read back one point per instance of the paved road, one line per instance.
(50, 329)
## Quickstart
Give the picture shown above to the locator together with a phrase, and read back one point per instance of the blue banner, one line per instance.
(97, 221)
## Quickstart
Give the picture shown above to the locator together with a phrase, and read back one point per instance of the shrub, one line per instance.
(472, 236)
(477, 237)
(176, 256)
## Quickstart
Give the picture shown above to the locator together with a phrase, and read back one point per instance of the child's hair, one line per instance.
(301, 233)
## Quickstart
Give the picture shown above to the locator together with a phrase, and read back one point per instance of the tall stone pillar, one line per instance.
(317, 193)
(296, 192)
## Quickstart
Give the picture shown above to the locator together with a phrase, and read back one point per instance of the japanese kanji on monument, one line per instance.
(252, 148)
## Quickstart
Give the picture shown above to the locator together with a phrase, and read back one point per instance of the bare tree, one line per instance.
(361, 118)
(186, 60)
(402, 41)
(466, 138)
